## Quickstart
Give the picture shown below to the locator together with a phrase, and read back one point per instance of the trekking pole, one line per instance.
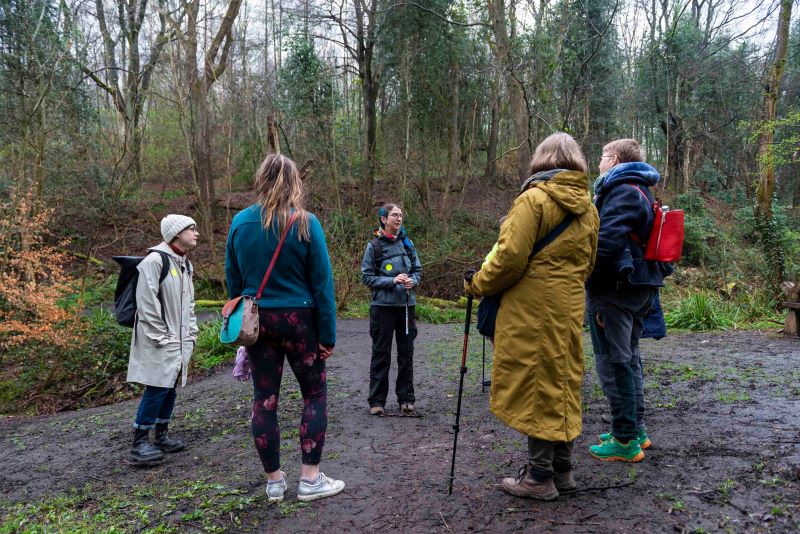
(460, 391)
(483, 367)
(407, 291)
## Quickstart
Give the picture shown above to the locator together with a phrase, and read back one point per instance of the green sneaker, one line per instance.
(613, 450)
(644, 441)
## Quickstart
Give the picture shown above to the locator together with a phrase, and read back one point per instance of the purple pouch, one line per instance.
(241, 370)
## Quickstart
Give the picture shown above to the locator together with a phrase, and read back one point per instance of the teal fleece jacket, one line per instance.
(302, 276)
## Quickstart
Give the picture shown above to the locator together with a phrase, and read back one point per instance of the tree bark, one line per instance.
(129, 97)
(494, 126)
(200, 82)
(369, 74)
(516, 91)
(452, 144)
(770, 241)
(772, 82)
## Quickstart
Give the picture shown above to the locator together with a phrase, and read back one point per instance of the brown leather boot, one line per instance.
(565, 482)
(525, 486)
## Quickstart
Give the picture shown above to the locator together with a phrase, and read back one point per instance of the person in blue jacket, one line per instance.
(620, 294)
(297, 319)
(391, 269)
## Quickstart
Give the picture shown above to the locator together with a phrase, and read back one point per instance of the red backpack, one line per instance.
(665, 242)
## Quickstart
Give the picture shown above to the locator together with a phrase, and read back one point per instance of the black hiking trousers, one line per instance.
(384, 323)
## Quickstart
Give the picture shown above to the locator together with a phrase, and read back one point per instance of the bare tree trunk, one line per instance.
(129, 98)
(516, 91)
(772, 82)
(672, 125)
(369, 74)
(587, 115)
(766, 187)
(200, 82)
(452, 145)
(333, 152)
(686, 171)
(406, 74)
(494, 126)
(201, 147)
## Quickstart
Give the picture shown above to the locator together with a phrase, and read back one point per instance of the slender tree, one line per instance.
(198, 81)
(518, 104)
(126, 75)
(766, 186)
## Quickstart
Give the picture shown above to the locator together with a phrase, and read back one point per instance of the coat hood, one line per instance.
(634, 172)
(402, 236)
(569, 189)
(163, 247)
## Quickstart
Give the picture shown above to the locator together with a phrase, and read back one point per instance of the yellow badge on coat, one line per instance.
(388, 266)
(174, 272)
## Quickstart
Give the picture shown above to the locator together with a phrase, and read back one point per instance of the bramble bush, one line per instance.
(32, 278)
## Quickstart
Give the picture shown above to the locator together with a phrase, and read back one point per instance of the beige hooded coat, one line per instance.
(538, 351)
(161, 348)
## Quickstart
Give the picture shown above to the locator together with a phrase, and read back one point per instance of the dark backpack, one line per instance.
(125, 293)
(377, 253)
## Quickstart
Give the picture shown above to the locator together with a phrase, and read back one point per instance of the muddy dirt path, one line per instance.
(723, 414)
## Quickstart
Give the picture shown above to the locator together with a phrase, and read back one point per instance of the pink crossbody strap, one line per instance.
(275, 255)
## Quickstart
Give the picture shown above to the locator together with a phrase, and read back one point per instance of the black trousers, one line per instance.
(385, 322)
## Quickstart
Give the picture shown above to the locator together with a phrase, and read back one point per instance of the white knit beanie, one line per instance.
(173, 224)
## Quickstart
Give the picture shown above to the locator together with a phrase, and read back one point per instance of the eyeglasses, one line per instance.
(607, 156)
(396, 215)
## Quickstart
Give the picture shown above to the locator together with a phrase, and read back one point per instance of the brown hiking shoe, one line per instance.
(565, 482)
(525, 486)
(376, 410)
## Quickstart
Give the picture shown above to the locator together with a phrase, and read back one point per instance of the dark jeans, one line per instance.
(290, 334)
(155, 407)
(385, 322)
(549, 457)
(616, 353)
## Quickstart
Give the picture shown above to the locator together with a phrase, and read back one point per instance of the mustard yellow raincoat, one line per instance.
(538, 351)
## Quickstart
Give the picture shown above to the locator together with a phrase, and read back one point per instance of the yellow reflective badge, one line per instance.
(388, 266)
(174, 272)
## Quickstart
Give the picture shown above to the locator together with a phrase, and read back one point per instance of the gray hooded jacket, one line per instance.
(394, 260)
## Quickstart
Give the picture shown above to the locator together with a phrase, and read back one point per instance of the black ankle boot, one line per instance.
(164, 442)
(143, 451)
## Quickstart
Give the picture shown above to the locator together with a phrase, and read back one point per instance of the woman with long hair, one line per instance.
(297, 319)
(545, 252)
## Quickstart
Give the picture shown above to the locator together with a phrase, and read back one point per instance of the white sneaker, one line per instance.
(323, 487)
(276, 489)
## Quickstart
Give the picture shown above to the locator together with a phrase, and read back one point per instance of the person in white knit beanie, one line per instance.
(164, 335)
(173, 224)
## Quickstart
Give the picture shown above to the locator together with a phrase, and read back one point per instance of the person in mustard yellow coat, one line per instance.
(538, 352)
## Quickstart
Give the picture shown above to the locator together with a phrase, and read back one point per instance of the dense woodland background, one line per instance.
(116, 112)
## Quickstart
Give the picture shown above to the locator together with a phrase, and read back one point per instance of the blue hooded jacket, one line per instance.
(624, 211)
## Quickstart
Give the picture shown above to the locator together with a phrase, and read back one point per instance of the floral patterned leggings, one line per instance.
(293, 334)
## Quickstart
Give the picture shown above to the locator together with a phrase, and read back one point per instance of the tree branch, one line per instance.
(435, 14)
